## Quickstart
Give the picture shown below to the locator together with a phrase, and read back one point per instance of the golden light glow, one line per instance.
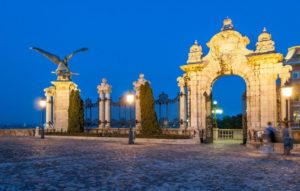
(287, 91)
(42, 103)
(217, 111)
(130, 98)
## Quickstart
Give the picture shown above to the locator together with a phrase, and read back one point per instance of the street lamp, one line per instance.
(130, 100)
(219, 111)
(287, 93)
(42, 105)
(215, 113)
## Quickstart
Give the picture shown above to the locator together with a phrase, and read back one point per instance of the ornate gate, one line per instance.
(228, 55)
(167, 110)
(119, 112)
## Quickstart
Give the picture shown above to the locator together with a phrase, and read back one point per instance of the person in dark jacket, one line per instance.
(287, 140)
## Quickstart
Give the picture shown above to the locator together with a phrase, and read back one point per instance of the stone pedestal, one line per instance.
(61, 104)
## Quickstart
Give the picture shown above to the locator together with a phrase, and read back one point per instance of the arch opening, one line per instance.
(228, 109)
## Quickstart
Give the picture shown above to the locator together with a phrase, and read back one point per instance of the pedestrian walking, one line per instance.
(287, 140)
(270, 131)
(269, 138)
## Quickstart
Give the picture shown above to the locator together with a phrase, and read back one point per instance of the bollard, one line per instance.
(37, 131)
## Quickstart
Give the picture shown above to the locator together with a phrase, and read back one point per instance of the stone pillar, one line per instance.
(48, 111)
(182, 103)
(101, 109)
(253, 105)
(104, 91)
(49, 93)
(189, 105)
(107, 109)
(138, 117)
(61, 103)
(268, 100)
(137, 84)
(194, 105)
(201, 111)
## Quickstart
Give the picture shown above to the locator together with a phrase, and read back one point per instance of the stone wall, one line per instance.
(124, 131)
(17, 132)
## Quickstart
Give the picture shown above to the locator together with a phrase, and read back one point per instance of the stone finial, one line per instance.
(227, 24)
(104, 87)
(195, 54)
(264, 36)
(140, 81)
(141, 76)
(265, 42)
(264, 29)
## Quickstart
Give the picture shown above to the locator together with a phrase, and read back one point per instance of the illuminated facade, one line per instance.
(228, 55)
(293, 59)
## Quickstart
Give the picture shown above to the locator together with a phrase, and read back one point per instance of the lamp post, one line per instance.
(42, 105)
(216, 111)
(130, 100)
(287, 93)
(215, 114)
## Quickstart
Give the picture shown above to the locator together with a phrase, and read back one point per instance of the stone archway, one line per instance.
(228, 55)
(235, 134)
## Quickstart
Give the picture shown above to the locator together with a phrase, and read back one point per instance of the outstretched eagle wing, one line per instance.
(67, 58)
(50, 56)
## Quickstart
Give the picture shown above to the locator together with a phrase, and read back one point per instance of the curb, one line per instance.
(121, 139)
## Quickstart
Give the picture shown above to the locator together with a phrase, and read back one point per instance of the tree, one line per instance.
(149, 124)
(76, 113)
(230, 122)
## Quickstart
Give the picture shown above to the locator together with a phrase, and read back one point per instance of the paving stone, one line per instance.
(28, 163)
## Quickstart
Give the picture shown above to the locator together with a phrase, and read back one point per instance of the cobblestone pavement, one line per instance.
(28, 163)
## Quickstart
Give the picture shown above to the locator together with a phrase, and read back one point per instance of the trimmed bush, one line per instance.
(149, 121)
(76, 113)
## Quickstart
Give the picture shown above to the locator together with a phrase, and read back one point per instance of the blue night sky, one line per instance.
(124, 38)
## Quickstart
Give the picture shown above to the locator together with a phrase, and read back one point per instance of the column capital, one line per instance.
(181, 81)
(104, 87)
(137, 84)
(50, 91)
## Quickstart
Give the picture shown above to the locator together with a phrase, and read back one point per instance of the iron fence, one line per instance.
(167, 110)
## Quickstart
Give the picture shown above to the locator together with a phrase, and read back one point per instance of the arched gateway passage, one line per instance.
(229, 92)
(228, 55)
(228, 96)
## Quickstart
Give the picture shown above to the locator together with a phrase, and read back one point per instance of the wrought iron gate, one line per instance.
(167, 110)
